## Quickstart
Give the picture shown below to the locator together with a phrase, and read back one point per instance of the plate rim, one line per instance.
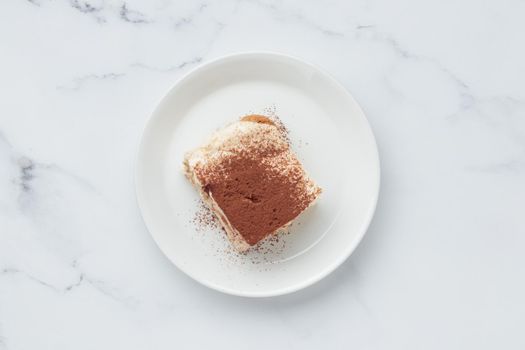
(350, 248)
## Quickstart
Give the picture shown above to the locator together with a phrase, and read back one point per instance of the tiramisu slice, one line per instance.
(251, 180)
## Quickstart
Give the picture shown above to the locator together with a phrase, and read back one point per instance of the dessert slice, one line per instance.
(251, 180)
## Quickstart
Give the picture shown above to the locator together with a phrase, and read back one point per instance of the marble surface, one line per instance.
(443, 263)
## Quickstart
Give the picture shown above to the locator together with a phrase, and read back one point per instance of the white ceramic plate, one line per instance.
(331, 136)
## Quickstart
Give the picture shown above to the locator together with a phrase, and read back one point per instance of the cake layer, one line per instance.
(250, 178)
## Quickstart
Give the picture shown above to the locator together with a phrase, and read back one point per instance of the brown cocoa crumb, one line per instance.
(204, 219)
(271, 113)
(285, 133)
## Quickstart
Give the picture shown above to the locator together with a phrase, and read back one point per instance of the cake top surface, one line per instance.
(252, 174)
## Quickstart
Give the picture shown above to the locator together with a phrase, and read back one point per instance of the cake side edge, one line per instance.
(235, 238)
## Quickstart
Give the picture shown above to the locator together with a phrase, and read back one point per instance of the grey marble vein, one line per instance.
(34, 2)
(172, 68)
(27, 167)
(466, 96)
(512, 111)
(376, 35)
(298, 17)
(86, 7)
(76, 284)
(318, 27)
(100, 286)
(78, 82)
(82, 279)
(13, 271)
(112, 293)
(71, 175)
(132, 16)
(183, 21)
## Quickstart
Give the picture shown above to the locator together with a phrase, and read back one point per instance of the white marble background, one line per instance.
(443, 264)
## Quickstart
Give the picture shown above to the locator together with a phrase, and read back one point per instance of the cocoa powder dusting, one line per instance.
(204, 219)
(259, 184)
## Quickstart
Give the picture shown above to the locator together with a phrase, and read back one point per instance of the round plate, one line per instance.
(328, 131)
